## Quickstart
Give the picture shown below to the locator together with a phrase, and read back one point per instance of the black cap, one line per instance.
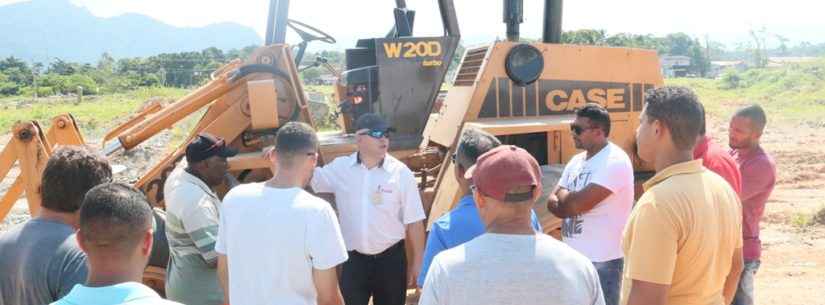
(372, 121)
(206, 146)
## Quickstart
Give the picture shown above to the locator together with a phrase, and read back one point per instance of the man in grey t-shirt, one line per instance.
(511, 263)
(41, 260)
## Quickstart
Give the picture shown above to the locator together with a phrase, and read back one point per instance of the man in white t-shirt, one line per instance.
(511, 263)
(594, 197)
(278, 244)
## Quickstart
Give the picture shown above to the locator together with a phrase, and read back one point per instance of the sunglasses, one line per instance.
(578, 130)
(376, 133)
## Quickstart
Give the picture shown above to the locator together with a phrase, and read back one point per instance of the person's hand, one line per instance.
(413, 269)
(552, 202)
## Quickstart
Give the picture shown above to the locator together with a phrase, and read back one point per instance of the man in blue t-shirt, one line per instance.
(40, 260)
(463, 223)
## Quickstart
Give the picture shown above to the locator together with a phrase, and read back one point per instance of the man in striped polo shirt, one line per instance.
(192, 222)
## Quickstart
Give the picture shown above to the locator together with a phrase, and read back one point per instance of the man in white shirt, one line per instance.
(595, 196)
(278, 244)
(379, 207)
(511, 263)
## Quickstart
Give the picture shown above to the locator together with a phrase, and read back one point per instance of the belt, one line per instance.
(388, 251)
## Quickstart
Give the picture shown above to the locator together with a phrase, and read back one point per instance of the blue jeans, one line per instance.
(744, 293)
(610, 277)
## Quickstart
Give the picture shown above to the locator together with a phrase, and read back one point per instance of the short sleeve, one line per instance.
(435, 286)
(435, 244)
(324, 240)
(617, 175)
(412, 206)
(653, 243)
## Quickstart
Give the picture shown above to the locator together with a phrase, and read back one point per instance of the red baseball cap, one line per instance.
(499, 172)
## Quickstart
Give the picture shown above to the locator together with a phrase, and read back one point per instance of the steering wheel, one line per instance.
(309, 33)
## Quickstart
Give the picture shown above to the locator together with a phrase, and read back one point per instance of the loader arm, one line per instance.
(168, 116)
(30, 147)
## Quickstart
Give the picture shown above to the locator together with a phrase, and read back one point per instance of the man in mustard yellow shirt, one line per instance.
(683, 240)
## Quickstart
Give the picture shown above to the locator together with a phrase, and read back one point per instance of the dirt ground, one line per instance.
(793, 259)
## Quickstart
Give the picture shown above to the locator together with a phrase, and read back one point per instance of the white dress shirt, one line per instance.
(374, 205)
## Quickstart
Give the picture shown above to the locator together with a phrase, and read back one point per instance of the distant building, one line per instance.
(675, 65)
(719, 67)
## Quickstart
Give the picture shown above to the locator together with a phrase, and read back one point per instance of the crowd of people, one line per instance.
(692, 237)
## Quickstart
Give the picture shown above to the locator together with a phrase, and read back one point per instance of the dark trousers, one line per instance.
(382, 276)
(610, 278)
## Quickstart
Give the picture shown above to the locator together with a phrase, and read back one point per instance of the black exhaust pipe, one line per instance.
(552, 21)
(513, 16)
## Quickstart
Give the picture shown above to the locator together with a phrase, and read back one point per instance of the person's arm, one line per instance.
(433, 246)
(223, 276)
(646, 293)
(323, 178)
(568, 204)
(732, 281)
(326, 284)
(415, 237)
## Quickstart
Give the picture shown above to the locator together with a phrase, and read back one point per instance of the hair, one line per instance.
(755, 114)
(677, 108)
(474, 143)
(598, 116)
(294, 139)
(114, 217)
(70, 172)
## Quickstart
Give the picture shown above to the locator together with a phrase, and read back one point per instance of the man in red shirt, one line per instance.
(716, 159)
(758, 178)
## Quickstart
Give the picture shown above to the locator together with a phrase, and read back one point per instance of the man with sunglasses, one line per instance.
(594, 197)
(380, 210)
(192, 222)
(463, 223)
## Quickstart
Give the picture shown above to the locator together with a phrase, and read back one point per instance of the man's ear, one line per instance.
(273, 159)
(80, 242)
(479, 200)
(146, 243)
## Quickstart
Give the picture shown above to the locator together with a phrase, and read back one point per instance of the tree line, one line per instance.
(188, 69)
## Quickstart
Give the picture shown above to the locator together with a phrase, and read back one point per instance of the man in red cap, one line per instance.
(534, 268)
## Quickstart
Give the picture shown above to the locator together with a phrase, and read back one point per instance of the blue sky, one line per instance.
(727, 21)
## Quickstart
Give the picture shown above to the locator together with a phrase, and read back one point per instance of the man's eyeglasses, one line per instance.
(578, 130)
(376, 133)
